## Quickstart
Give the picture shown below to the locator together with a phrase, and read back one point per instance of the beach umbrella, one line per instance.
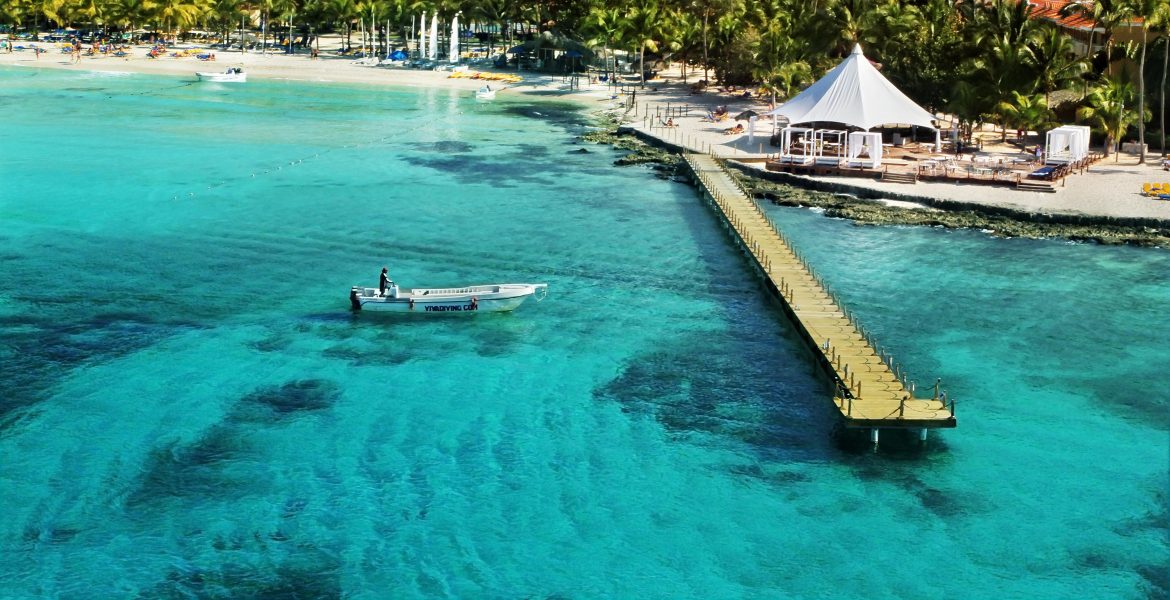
(453, 54)
(745, 115)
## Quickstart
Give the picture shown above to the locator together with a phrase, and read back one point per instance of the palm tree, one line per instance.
(492, 12)
(708, 9)
(1026, 112)
(684, 37)
(606, 25)
(768, 36)
(1150, 12)
(643, 28)
(1106, 16)
(1160, 19)
(13, 13)
(179, 14)
(286, 9)
(1051, 54)
(857, 21)
(1105, 108)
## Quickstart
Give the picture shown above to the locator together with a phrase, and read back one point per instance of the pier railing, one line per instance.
(870, 389)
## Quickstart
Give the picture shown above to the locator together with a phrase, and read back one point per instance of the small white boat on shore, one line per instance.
(475, 298)
(232, 75)
(485, 93)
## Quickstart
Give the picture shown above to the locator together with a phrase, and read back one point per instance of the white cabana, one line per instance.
(855, 93)
(796, 145)
(1066, 144)
(864, 149)
(829, 146)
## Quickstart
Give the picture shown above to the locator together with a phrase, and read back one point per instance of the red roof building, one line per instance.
(1080, 26)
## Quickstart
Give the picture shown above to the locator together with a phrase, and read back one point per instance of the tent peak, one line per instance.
(857, 49)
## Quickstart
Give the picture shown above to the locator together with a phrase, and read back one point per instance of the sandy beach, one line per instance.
(1110, 188)
(326, 69)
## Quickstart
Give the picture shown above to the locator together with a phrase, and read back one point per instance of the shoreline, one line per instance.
(300, 68)
(1106, 197)
(869, 207)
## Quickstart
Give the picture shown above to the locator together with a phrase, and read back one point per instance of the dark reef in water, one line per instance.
(869, 212)
(724, 387)
(307, 573)
(563, 114)
(40, 350)
(667, 164)
(496, 170)
(198, 468)
(301, 395)
(446, 147)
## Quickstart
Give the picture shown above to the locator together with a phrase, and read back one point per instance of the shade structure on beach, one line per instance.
(854, 93)
(398, 55)
(864, 149)
(1065, 144)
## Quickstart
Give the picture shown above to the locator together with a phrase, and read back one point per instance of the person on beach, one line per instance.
(384, 282)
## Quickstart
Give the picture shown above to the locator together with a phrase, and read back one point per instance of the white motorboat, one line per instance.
(475, 298)
(485, 93)
(233, 75)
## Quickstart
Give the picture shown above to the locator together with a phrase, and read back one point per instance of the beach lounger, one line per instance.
(1042, 173)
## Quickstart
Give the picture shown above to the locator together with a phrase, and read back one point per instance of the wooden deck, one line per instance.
(869, 392)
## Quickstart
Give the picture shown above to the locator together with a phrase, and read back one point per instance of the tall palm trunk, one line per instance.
(642, 64)
(1162, 91)
(1142, 100)
(706, 62)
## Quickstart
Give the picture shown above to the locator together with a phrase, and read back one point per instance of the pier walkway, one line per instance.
(871, 392)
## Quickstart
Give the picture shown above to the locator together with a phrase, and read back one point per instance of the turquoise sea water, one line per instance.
(188, 409)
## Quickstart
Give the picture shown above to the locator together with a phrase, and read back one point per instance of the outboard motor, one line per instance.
(353, 299)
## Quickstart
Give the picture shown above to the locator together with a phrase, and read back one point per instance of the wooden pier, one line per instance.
(871, 392)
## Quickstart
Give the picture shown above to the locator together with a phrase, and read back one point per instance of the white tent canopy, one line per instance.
(856, 94)
(864, 149)
(1066, 144)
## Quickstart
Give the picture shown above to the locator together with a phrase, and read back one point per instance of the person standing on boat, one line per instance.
(384, 282)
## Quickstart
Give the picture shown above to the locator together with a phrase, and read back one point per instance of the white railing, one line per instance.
(472, 289)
